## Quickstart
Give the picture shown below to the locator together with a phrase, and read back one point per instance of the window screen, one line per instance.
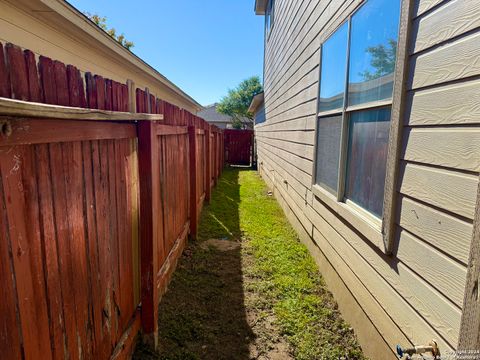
(367, 158)
(328, 151)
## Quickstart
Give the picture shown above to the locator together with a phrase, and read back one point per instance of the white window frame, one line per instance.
(380, 232)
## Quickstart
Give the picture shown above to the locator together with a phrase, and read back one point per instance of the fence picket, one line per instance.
(9, 340)
(75, 87)
(47, 80)
(91, 90)
(34, 90)
(18, 72)
(5, 89)
(100, 91)
(61, 83)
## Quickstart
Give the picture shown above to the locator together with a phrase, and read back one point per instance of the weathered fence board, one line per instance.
(56, 186)
(5, 87)
(19, 202)
(10, 341)
(18, 72)
(34, 91)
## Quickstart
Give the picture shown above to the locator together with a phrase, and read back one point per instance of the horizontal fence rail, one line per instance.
(101, 183)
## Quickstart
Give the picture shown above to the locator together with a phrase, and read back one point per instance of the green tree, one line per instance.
(382, 60)
(101, 22)
(236, 103)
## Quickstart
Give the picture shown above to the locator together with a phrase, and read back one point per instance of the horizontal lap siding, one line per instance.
(441, 136)
(302, 123)
(457, 17)
(408, 296)
(454, 104)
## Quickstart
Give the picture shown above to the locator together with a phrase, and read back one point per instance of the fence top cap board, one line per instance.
(10, 107)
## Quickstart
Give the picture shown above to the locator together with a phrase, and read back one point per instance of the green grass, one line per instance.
(272, 275)
(289, 277)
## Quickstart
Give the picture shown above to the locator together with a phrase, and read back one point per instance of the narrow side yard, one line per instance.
(248, 289)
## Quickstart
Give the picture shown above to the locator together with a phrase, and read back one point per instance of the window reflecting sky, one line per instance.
(333, 72)
(374, 25)
(373, 44)
(373, 47)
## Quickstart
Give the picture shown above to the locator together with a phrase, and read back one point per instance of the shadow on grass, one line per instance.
(203, 315)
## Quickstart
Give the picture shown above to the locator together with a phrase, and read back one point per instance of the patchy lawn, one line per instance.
(248, 289)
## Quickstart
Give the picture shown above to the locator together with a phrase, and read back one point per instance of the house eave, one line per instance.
(260, 7)
(62, 15)
(256, 101)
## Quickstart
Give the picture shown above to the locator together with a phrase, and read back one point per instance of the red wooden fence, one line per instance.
(94, 213)
(238, 146)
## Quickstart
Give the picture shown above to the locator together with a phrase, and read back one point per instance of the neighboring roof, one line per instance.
(256, 102)
(59, 11)
(210, 114)
(260, 7)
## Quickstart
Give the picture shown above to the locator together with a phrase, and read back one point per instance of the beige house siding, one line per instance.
(50, 28)
(416, 294)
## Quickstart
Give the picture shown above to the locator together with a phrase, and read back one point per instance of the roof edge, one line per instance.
(260, 7)
(78, 19)
(256, 101)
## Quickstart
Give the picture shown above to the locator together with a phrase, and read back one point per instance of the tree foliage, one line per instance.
(101, 21)
(382, 60)
(236, 103)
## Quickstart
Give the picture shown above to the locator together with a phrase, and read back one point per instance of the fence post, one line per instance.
(192, 149)
(222, 151)
(217, 155)
(209, 167)
(149, 231)
(214, 156)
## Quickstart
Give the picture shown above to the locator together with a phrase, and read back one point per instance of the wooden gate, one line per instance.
(69, 236)
(238, 147)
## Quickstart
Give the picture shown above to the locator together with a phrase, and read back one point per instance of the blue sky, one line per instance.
(204, 46)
